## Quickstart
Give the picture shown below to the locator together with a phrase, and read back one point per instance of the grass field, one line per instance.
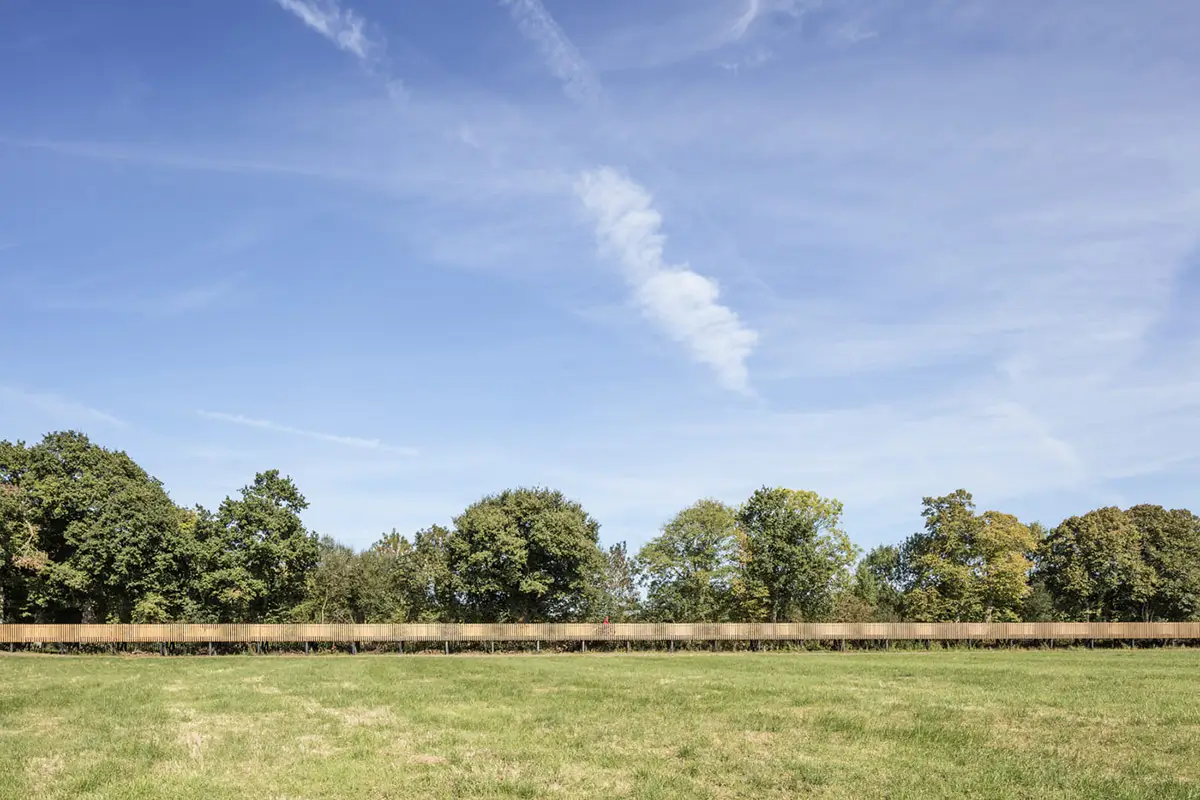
(979, 723)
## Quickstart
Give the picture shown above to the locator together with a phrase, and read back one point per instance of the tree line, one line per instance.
(86, 535)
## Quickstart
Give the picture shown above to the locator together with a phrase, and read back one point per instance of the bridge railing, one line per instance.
(598, 632)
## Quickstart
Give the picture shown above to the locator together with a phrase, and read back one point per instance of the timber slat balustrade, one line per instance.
(596, 632)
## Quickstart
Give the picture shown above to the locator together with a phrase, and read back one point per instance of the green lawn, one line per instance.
(998, 724)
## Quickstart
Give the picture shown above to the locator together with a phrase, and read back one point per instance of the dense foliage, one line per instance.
(87, 535)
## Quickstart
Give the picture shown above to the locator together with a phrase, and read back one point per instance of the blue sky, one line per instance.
(645, 252)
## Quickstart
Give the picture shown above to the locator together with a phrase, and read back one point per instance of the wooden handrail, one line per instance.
(585, 632)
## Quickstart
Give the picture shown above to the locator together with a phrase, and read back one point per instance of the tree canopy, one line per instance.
(87, 535)
(1142, 564)
(90, 537)
(524, 555)
(793, 553)
(965, 566)
(689, 567)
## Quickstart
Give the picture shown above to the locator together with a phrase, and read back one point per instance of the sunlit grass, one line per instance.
(983, 723)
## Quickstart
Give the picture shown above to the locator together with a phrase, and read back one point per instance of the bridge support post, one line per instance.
(538, 648)
(628, 648)
(210, 649)
(672, 645)
(447, 644)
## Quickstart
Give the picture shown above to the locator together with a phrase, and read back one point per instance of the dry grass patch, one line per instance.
(426, 758)
(42, 769)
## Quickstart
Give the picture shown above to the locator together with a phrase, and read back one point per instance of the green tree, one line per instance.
(256, 552)
(429, 583)
(1038, 605)
(1171, 550)
(18, 534)
(419, 582)
(793, 556)
(524, 555)
(88, 534)
(618, 599)
(379, 588)
(416, 574)
(1141, 564)
(966, 566)
(346, 586)
(1093, 565)
(688, 567)
(878, 586)
(18, 554)
(331, 586)
(393, 544)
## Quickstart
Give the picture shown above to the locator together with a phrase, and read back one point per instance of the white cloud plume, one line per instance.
(59, 407)
(743, 23)
(684, 303)
(342, 27)
(564, 60)
(348, 441)
(756, 9)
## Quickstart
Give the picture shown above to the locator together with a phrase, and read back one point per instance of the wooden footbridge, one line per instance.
(662, 634)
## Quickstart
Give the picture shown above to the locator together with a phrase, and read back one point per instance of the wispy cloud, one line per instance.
(852, 32)
(344, 28)
(683, 303)
(348, 441)
(145, 286)
(562, 57)
(706, 29)
(742, 37)
(142, 154)
(133, 301)
(59, 407)
(743, 23)
(758, 57)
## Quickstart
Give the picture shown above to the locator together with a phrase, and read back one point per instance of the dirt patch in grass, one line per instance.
(314, 744)
(44, 769)
(427, 758)
(362, 716)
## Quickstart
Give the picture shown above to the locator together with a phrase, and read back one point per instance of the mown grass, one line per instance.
(964, 723)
